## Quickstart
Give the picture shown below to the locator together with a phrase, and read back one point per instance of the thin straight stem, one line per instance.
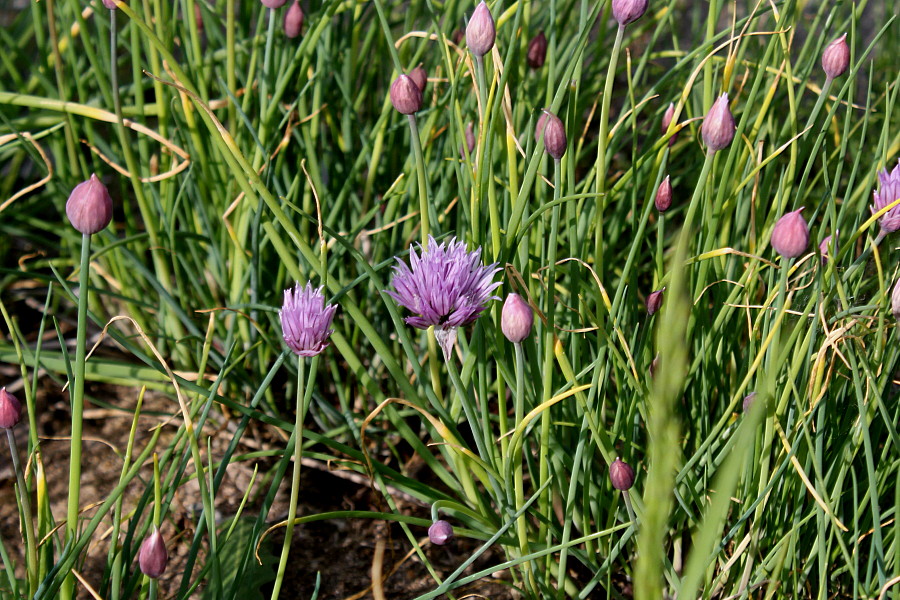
(518, 479)
(31, 561)
(420, 172)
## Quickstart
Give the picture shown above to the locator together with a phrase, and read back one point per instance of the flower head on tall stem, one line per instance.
(895, 300)
(836, 57)
(293, 20)
(273, 3)
(667, 120)
(89, 206)
(554, 133)
(420, 78)
(481, 31)
(153, 557)
(621, 474)
(888, 192)
(628, 11)
(718, 125)
(537, 51)
(305, 320)
(790, 237)
(406, 95)
(440, 532)
(663, 199)
(445, 286)
(10, 410)
(516, 319)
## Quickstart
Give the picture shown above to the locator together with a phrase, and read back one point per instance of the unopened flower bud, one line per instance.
(791, 235)
(621, 475)
(110, 4)
(516, 319)
(663, 200)
(667, 120)
(654, 302)
(537, 51)
(628, 11)
(458, 36)
(440, 533)
(273, 3)
(823, 248)
(10, 410)
(895, 300)
(718, 125)
(152, 557)
(836, 57)
(89, 206)
(481, 32)
(420, 78)
(554, 133)
(405, 95)
(293, 20)
(470, 140)
(749, 399)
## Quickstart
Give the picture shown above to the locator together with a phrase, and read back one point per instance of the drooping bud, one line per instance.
(273, 3)
(836, 57)
(440, 533)
(749, 399)
(470, 140)
(537, 51)
(405, 95)
(89, 206)
(663, 200)
(823, 248)
(654, 301)
(481, 32)
(718, 125)
(554, 133)
(667, 120)
(420, 78)
(628, 11)
(895, 300)
(293, 20)
(10, 410)
(153, 557)
(791, 235)
(621, 474)
(516, 319)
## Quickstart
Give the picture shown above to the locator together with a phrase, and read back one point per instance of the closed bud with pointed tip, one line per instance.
(554, 133)
(470, 140)
(10, 410)
(273, 3)
(667, 120)
(481, 31)
(628, 11)
(293, 20)
(153, 557)
(110, 4)
(420, 78)
(621, 474)
(823, 248)
(747, 404)
(663, 200)
(406, 95)
(89, 206)
(718, 125)
(654, 301)
(836, 57)
(895, 300)
(516, 319)
(440, 533)
(790, 237)
(537, 51)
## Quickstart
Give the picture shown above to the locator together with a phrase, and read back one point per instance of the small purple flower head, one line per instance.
(554, 134)
(790, 237)
(273, 3)
(420, 78)
(110, 4)
(445, 286)
(293, 20)
(305, 319)
(537, 51)
(654, 301)
(481, 31)
(516, 319)
(10, 410)
(621, 474)
(440, 532)
(718, 125)
(153, 557)
(89, 206)
(406, 95)
(628, 11)
(888, 192)
(667, 120)
(895, 300)
(836, 57)
(663, 200)
(824, 245)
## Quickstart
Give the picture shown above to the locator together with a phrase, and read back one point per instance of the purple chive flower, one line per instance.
(749, 399)
(663, 200)
(153, 557)
(445, 286)
(89, 206)
(823, 248)
(10, 410)
(293, 20)
(888, 192)
(305, 319)
(537, 51)
(654, 301)
(628, 11)
(836, 57)
(516, 319)
(718, 125)
(470, 141)
(420, 78)
(554, 132)
(790, 237)
(481, 31)
(440, 532)
(273, 3)
(406, 95)
(621, 474)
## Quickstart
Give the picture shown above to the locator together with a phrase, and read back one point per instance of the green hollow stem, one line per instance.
(420, 173)
(698, 191)
(518, 479)
(77, 401)
(31, 560)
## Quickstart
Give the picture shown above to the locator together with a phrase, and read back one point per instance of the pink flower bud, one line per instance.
(516, 319)
(554, 134)
(480, 32)
(293, 20)
(663, 200)
(405, 95)
(152, 557)
(420, 78)
(110, 4)
(654, 301)
(718, 125)
(791, 235)
(749, 399)
(440, 533)
(470, 141)
(836, 57)
(628, 11)
(273, 3)
(823, 248)
(89, 207)
(10, 410)
(667, 120)
(537, 51)
(621, 475)
(895, 300)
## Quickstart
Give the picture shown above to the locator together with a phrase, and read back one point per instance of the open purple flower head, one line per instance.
(305, 320)
(888, 192)
(445, 286)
